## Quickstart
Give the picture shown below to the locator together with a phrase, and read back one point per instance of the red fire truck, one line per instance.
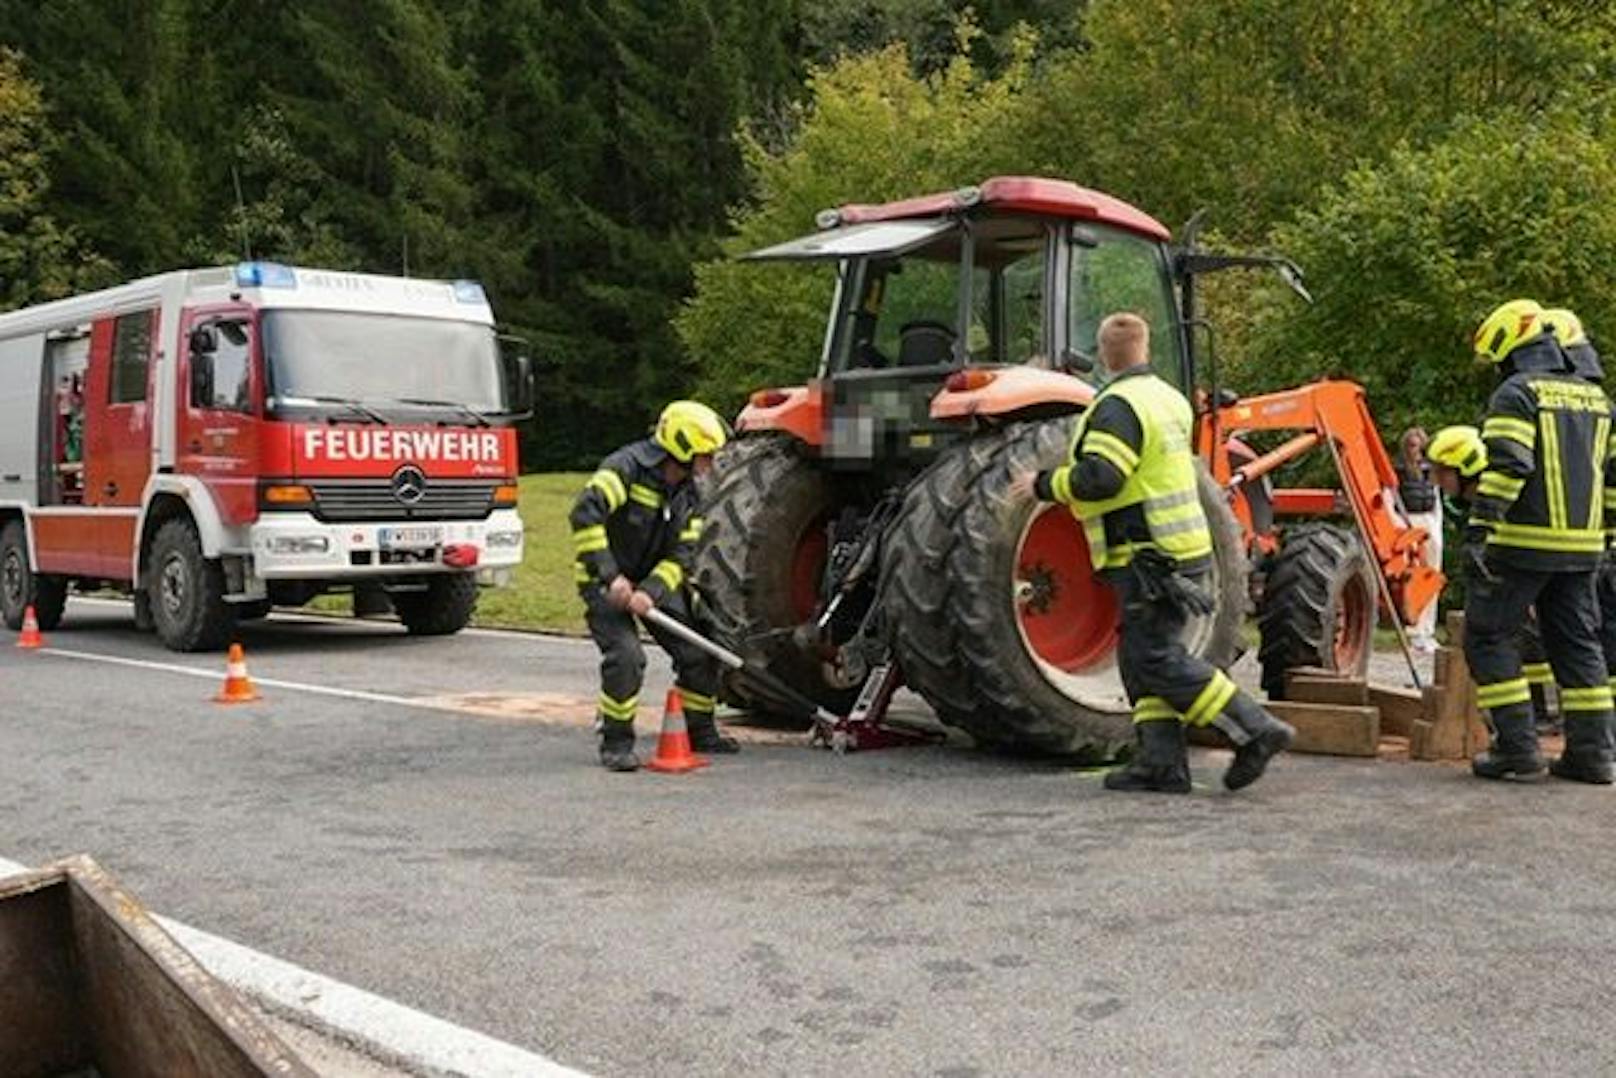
(215, 441)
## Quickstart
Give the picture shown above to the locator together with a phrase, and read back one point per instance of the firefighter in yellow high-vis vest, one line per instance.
(634, 529)
(1536, 537)
(1132, 482)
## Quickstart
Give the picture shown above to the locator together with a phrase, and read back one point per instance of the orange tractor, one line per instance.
(861, 530)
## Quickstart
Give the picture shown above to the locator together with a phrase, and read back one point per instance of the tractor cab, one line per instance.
(977, 304)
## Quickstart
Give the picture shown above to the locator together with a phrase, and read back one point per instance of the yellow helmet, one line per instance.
(1566, 327)
(690, 429)
(1509, 326)
(1459, 448)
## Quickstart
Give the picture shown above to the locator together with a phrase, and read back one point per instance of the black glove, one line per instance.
(1475, 554)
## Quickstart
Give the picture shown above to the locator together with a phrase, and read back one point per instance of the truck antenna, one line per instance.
(241, 215)
(406, 254)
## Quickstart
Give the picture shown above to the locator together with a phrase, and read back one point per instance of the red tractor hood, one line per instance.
(354, 451)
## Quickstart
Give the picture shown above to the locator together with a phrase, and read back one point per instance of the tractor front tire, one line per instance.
(995, 613)
(1318, 607)
(760, 562)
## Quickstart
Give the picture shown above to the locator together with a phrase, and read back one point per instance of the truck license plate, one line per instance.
(413, 538)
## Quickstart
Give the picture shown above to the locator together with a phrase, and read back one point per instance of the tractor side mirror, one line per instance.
(1291, 274)
(1078, 362)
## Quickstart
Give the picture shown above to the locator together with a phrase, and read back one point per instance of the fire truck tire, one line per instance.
(187, 591)
(21, 586)
(987, 683)
(1319, 606)
(443, 609)
(752, 573)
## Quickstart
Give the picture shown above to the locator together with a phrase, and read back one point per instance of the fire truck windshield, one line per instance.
(381, 361)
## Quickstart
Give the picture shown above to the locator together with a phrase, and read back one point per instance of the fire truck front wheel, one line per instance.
(442, 608)
(186, 591)
(21, 586)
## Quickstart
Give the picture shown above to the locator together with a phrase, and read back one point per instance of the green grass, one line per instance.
(543, 595)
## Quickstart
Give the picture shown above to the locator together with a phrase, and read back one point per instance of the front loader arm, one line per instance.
(1334, 413)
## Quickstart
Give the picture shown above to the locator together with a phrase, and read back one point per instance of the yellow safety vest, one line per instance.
(1163, 482)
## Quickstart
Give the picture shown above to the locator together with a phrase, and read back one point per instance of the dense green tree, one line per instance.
(1408, 256)
(39, 258)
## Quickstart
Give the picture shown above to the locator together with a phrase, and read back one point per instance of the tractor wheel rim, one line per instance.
(1065, 616)
(808, 570)
(1351, 624)
(173, 584)
(11, 578)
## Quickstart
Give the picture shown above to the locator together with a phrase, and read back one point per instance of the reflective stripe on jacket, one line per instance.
(626, 520)
(1158, 503)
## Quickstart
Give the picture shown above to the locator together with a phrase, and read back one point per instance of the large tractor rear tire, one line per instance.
(761, 562)
(1318, 607)
(997, 617)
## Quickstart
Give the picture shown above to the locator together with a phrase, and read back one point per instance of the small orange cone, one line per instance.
(673, 747)
(238, 687)
(31, 637)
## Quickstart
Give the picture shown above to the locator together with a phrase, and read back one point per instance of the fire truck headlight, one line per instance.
(299, 544)
(504, 539)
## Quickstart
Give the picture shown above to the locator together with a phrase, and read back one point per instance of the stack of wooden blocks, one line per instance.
(1348, 717)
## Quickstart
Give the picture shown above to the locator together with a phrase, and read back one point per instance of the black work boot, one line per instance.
(1587, 756)
(1160, 765)
(617, 745)
(705, 735)
(1257, 735)
(1513, 753)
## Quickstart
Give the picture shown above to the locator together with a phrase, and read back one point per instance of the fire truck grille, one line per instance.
(443, 499)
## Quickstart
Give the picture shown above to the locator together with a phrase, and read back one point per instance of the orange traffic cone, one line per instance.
(238, 687)
(673, 747)
(31, 637)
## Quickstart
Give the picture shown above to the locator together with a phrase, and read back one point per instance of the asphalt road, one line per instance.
(919, 911)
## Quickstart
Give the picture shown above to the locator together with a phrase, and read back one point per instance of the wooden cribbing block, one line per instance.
(1400, 709)
(1326, 690)
(1332, 729)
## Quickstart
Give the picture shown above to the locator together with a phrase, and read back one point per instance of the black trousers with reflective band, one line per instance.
(1163, 680)
(622, 658)
(1568, 619)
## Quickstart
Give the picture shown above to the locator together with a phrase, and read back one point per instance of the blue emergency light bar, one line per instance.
(264, 275)
(469, 292)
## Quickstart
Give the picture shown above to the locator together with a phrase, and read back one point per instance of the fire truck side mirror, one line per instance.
(519, 380)
(204, 340)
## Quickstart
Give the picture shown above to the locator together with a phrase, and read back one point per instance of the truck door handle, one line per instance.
(110, 490)
(195, 445)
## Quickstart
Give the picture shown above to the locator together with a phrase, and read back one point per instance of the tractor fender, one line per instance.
(1006, 390)
(795, 410)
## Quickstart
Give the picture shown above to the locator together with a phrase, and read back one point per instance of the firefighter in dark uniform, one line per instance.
(1132, 482)
(1535, 536)
(634, 528)
(1458, 457)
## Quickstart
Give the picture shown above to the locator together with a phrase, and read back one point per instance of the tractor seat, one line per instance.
(925, 344)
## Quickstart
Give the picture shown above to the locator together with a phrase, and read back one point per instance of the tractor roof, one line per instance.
(1015, 194)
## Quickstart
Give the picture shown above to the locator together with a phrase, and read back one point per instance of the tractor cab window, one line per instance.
(1114, 271)
(904, 311)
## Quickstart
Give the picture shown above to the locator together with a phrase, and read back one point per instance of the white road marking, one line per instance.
(273, 683)
(307, 618)
(391, 1032)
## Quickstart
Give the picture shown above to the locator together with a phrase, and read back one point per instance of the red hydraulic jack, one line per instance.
(863, 728)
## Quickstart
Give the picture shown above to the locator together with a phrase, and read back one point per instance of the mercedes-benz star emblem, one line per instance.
(409, 484)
